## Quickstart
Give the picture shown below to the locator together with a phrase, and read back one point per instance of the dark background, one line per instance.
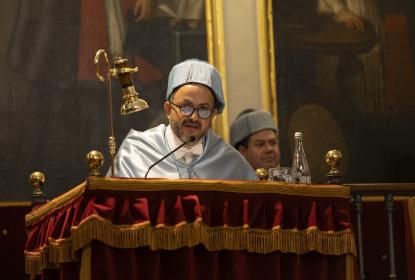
(50, 115)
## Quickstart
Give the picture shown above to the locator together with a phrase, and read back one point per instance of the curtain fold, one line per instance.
(194, 226)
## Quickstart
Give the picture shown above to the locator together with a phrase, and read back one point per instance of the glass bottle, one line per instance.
(300, 172)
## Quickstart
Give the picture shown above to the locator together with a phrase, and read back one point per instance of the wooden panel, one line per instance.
(12, 240)
(375, 240)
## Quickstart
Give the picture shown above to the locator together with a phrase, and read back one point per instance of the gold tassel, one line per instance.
(188, 235)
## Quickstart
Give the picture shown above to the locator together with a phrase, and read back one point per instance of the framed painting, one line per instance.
(53, 108)
(345, 78)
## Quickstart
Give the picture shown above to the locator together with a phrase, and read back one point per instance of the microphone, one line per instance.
(191, 139)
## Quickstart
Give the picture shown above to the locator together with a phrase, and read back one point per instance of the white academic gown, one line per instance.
(218, 160)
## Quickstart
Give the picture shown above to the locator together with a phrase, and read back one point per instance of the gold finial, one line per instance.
(333, 158)
(262, 174)
(95, 160)
(37, 179)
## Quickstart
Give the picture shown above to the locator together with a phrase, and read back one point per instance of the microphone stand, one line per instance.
(192, 139)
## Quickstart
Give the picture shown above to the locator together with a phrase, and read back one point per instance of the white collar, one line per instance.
(184, 152)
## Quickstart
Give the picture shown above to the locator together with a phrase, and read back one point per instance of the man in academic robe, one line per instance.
(194, 97)
(255, 135)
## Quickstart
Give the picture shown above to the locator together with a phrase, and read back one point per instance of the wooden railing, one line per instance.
(388, 191)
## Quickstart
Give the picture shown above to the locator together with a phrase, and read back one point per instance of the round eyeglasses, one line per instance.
(203, 112)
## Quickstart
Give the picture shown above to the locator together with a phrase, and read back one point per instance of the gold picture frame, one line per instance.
(216, 56)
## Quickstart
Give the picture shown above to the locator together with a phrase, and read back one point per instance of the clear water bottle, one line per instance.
(300, 172)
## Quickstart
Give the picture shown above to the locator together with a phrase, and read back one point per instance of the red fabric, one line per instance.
(92, 36)
(198, 263)
(397, 57)
(215, 208)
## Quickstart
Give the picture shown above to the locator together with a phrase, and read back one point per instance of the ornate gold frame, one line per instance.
(216, 56)
(267, 57)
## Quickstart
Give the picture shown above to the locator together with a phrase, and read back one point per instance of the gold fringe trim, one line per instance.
(119, 236)
(36, 261)
(127, 184)
(189, 235)
(60, 250)
(55, 204)
(56, 252)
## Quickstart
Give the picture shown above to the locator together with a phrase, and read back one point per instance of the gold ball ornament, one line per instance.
(333, 158)
(37, 179)
(262, 174)
(95, 160)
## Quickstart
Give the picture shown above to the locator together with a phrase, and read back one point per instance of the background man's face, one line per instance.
(263, 150)
(194, 95)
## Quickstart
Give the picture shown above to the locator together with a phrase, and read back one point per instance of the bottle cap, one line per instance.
(298, 135)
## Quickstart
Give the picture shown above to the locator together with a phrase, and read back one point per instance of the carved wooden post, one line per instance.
(389, 211)
(359, 209)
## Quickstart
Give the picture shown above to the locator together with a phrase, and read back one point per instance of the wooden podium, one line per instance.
(113, 228)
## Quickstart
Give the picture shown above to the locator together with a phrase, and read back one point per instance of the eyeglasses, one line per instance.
(203, 112)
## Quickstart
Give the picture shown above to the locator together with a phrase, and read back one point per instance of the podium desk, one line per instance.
(114, 228)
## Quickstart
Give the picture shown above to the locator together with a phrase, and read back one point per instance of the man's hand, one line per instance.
(350, 20)
(145, 9)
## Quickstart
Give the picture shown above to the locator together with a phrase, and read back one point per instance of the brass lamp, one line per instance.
(131, 101)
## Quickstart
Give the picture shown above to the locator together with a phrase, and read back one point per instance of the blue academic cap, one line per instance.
(200, 72)
(250, 123)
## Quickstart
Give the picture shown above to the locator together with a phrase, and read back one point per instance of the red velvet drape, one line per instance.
(263, 211)
(169, 209)
(198, 263)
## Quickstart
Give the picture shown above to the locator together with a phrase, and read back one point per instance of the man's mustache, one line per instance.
(193, 123)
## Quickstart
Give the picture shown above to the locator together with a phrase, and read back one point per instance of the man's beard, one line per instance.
(177, 125)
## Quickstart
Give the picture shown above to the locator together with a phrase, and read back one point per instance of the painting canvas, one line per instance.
(345, 77)
(53, 108)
